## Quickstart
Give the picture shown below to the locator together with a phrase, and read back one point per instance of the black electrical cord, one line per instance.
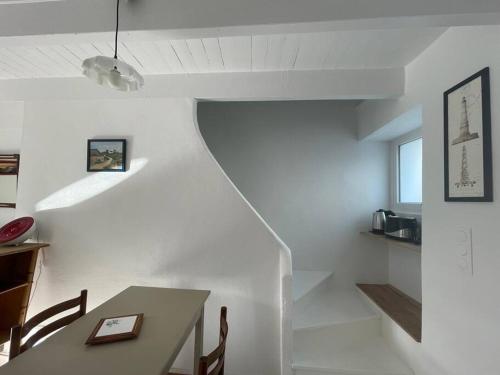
(116, 32)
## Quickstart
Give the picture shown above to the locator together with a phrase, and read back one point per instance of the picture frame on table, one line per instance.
(116, 328)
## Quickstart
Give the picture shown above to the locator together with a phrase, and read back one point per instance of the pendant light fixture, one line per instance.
(110, 71)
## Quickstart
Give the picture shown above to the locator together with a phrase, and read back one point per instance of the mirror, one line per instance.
(9, 169)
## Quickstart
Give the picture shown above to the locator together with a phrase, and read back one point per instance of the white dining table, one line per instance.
(170, 315)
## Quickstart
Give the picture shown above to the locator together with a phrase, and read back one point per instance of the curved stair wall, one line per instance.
(300, 164)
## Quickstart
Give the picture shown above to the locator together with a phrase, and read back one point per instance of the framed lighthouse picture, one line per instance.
(467, 140)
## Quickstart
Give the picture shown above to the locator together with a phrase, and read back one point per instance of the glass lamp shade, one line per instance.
(111, 72)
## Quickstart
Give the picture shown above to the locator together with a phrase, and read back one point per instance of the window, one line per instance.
(407, 173)
(410, 172)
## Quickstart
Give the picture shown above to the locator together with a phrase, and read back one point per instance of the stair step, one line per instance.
(362, 357)
(305, 281)
(329, 307)
(347, 333)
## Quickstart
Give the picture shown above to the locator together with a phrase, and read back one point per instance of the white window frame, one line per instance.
(406, 208)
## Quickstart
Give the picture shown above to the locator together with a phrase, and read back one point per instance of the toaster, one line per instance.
(401, 228)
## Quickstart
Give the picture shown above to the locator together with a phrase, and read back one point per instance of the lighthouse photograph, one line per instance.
(468, 140)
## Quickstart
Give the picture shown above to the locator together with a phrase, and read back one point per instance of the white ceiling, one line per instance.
(12, 2)
(346, 49)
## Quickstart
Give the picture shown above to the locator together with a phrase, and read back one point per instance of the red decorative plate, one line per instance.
(15, 229)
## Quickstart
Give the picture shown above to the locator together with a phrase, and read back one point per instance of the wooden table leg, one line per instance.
(198, 341)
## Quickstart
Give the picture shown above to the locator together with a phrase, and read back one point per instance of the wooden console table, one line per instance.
(17, 268)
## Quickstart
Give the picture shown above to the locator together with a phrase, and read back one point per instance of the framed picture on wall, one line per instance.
(467, 140)
(106, 155)
(9, 170)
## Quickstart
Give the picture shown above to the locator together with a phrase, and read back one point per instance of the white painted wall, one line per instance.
(383, 118)
(460, 311)
(370, 129)
(173, 220)
(11, 130)
(302, 168)
(405, 270)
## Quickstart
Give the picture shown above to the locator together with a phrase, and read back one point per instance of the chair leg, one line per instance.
(83, 302)
(15, 342)
(203, 369)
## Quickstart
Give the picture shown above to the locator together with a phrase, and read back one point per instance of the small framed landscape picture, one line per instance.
(467, 140)
(106, 155)
(116, 328)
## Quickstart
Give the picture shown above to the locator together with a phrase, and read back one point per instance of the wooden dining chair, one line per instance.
(18, 332)
(216, 358)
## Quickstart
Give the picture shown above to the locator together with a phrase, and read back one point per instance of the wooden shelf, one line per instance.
(7, 288)
(404, 310)
(22, 248)
(4, 335)
(407, 245)
(17, 267)
(12, 309)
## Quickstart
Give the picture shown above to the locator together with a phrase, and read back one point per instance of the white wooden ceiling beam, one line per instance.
(332, 84)
(185, 19)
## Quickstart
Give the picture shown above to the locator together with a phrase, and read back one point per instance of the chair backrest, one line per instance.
(17, 333)
(218, 355)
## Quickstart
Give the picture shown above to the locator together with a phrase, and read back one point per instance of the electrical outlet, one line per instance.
(464, 250)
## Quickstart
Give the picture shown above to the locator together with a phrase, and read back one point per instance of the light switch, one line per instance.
(464, 250)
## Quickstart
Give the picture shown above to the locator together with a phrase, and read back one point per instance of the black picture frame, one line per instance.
(9, 166)
(91, 149)
(484, 133)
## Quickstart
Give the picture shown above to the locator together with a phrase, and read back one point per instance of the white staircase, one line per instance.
(305, 281)
(336, 333)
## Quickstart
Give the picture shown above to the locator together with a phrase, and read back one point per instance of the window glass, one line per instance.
(410, 172)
